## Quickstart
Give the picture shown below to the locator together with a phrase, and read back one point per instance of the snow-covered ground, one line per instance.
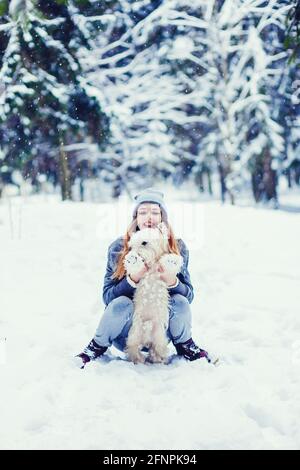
(245, 267)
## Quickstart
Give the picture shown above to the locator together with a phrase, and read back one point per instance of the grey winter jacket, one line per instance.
(113, 288)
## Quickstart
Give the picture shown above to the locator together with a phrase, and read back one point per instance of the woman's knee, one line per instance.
(180, 302)
(180, 307)
(121, 305)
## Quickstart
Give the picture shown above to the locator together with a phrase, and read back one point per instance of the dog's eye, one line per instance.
(144, 243)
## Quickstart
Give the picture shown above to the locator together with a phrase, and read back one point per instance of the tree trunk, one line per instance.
(222, 181)
(264, 178)
(81, 189)
(201, 185)
(297, 174)
(289, 179)
(199, 180)
(209, 183)
(269, 178)
(65, 180)
(256, 181)
(116, 190)
(231, 196)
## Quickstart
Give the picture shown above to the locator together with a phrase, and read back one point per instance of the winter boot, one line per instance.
(90, 353)
(191, 351)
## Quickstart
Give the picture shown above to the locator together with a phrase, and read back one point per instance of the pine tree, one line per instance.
(45, 103)
(231, 94)
(142, 96)
(292, 38)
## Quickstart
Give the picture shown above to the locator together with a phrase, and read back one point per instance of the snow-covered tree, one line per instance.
(202, 72)
(142, 96)
(44, 104)
(188, 86)
(226, 41)
(292, 38)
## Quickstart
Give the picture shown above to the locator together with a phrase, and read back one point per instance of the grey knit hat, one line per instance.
(151, 195)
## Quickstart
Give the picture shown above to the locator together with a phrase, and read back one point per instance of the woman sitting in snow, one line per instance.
(119, 289)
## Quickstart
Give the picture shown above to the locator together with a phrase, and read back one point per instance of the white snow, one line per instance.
(246, 274)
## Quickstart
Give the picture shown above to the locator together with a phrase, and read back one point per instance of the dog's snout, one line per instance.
(144, 243)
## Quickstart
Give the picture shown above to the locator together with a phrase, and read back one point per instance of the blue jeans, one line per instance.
(117, 319)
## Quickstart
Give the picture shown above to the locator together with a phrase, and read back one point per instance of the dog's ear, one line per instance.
(163, 230)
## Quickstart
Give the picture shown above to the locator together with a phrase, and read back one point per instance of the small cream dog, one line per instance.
(151, 298)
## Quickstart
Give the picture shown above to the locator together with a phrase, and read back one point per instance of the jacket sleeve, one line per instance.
(184, 286)
(112, 288)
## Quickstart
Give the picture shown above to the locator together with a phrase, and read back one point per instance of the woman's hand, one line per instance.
(138, 276)
(168, 278)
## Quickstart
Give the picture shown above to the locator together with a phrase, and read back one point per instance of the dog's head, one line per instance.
(150, 243)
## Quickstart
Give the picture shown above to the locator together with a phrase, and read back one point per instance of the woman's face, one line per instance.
(148, 215)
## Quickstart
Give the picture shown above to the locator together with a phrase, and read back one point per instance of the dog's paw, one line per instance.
(134, 355)
(133, 263)
(171, 263)
(156, 358)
